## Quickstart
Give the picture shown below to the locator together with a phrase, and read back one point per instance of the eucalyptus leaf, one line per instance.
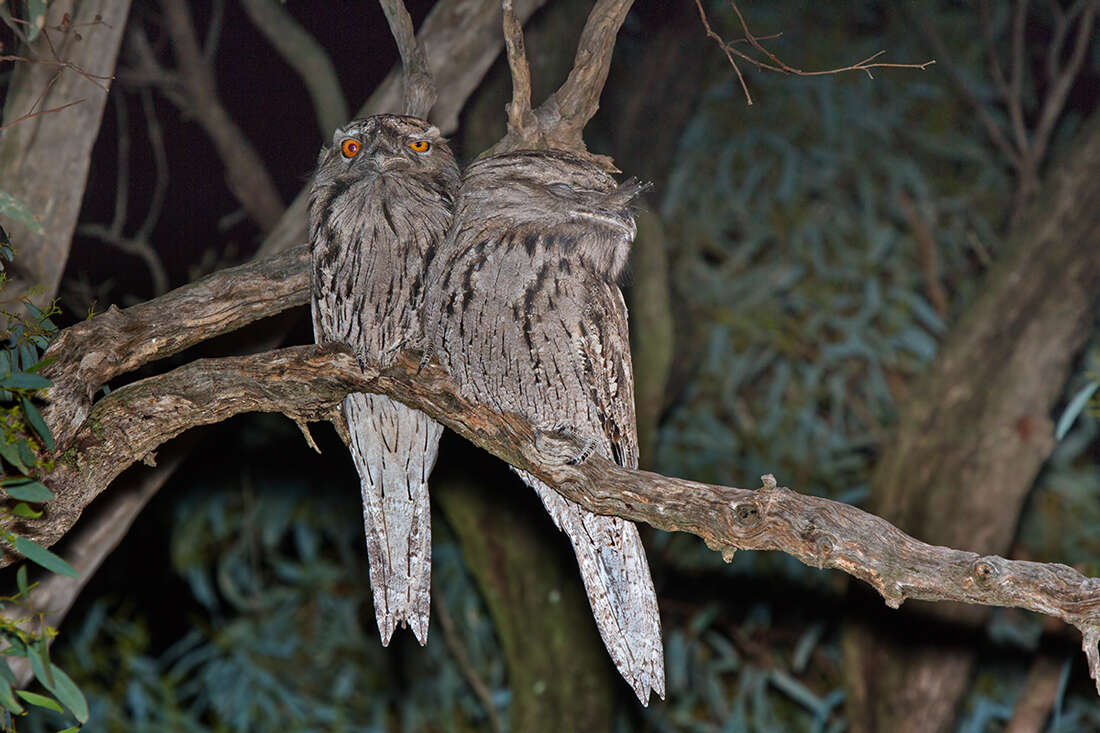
(32, 491)
(5, 672)
(21, 579)
(34, 417)
(7, 699)
(41, 701)
(25, 453)
(39, 665)
(69, 694)
(13, 208)
(10, 453)
(24, 380)
(38, 554)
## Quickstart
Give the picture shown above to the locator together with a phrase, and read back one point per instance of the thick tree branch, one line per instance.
(308, 382)
(93, 352)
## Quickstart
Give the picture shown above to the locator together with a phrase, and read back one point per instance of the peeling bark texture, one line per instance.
(557, 667)
(307, 383)
(978, 428)
(93, 352)
(44, 160)
(461, 39)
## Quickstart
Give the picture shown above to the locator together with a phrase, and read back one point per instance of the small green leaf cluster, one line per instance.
(25, 448)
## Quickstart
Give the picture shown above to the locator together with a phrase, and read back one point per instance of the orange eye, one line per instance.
(350, 148)
(420, 146)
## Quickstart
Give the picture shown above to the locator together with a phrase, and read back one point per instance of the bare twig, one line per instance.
(307, 57)
(992, 128)
(1056, 96)
(1029, 150)
(1014, 98)
(725, 49)
(29, 115)
(774, 63)
(419, 93)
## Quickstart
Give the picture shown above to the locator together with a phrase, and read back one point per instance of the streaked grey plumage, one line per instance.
(525, 313)
(380, 204)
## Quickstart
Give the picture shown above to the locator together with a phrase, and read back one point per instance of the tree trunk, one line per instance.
(560, 675)
(44, 159)
(977, 430)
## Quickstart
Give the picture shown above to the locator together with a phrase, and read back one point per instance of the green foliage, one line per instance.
(282, 631)
(25, 446)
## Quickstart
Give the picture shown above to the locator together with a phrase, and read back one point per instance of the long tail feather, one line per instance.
(394, 449)
(616, 577)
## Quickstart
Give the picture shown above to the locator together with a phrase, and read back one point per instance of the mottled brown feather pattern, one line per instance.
(377, 219)
(525, 312)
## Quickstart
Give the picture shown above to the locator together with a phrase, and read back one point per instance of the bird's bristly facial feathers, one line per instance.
(383, 144)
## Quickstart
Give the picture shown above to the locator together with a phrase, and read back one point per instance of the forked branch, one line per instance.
(559, 121)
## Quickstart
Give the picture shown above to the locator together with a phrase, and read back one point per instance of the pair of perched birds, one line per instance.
(508, 275)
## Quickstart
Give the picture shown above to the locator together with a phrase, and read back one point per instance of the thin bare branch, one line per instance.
(138, 245)
(160, 166)
(1009, 93)
(725, 49)
(419, 93)
(29, 115)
